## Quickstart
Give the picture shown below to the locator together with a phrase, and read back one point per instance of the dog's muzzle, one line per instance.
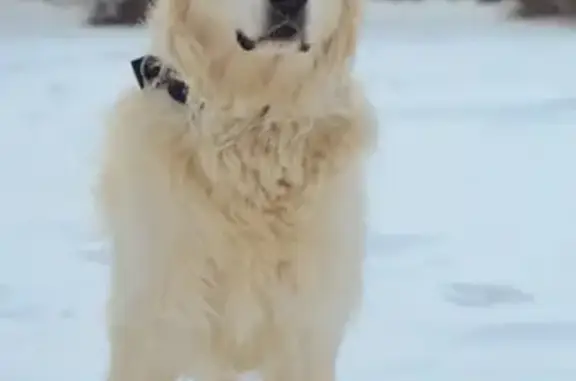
(285, 22)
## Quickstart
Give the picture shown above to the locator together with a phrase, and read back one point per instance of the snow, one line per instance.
(470, 272)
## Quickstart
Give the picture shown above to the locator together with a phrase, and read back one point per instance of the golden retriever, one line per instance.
(237, 216)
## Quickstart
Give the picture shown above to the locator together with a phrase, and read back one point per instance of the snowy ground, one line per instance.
(472, 249)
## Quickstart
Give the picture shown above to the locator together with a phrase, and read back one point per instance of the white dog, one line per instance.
(233, 190)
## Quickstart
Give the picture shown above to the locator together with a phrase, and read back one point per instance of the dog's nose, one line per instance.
(290, 9)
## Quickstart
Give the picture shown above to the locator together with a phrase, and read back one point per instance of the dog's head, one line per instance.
(254, 46)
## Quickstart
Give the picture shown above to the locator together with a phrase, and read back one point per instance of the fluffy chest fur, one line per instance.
(241, 225)
(260, 172)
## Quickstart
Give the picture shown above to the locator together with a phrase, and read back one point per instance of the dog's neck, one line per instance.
(152, 72)
(309, 96)
(245, 85)
(246, 93)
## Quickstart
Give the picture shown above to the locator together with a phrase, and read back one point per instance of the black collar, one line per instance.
(150, 72)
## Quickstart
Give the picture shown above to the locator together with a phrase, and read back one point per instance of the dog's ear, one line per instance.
(350, 23)
(341, 47)
(179, 13)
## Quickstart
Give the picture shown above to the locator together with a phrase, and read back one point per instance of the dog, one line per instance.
(232, 190)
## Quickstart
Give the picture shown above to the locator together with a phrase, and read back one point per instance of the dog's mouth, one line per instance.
(284, 26)
(250, 44)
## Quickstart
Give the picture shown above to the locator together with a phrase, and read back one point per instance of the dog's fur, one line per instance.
(238, 226)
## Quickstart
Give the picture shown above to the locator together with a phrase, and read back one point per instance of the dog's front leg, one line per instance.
(312, 360)
(142, 354)
(320, 364)
(162, 352)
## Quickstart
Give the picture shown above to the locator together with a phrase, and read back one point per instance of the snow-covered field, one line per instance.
(470, 274)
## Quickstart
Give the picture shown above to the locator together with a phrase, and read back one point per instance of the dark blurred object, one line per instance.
(118, 12)
(546, 8)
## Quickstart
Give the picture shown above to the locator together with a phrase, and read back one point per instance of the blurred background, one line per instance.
(129, 12)
(103, 12)
(472, 244)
